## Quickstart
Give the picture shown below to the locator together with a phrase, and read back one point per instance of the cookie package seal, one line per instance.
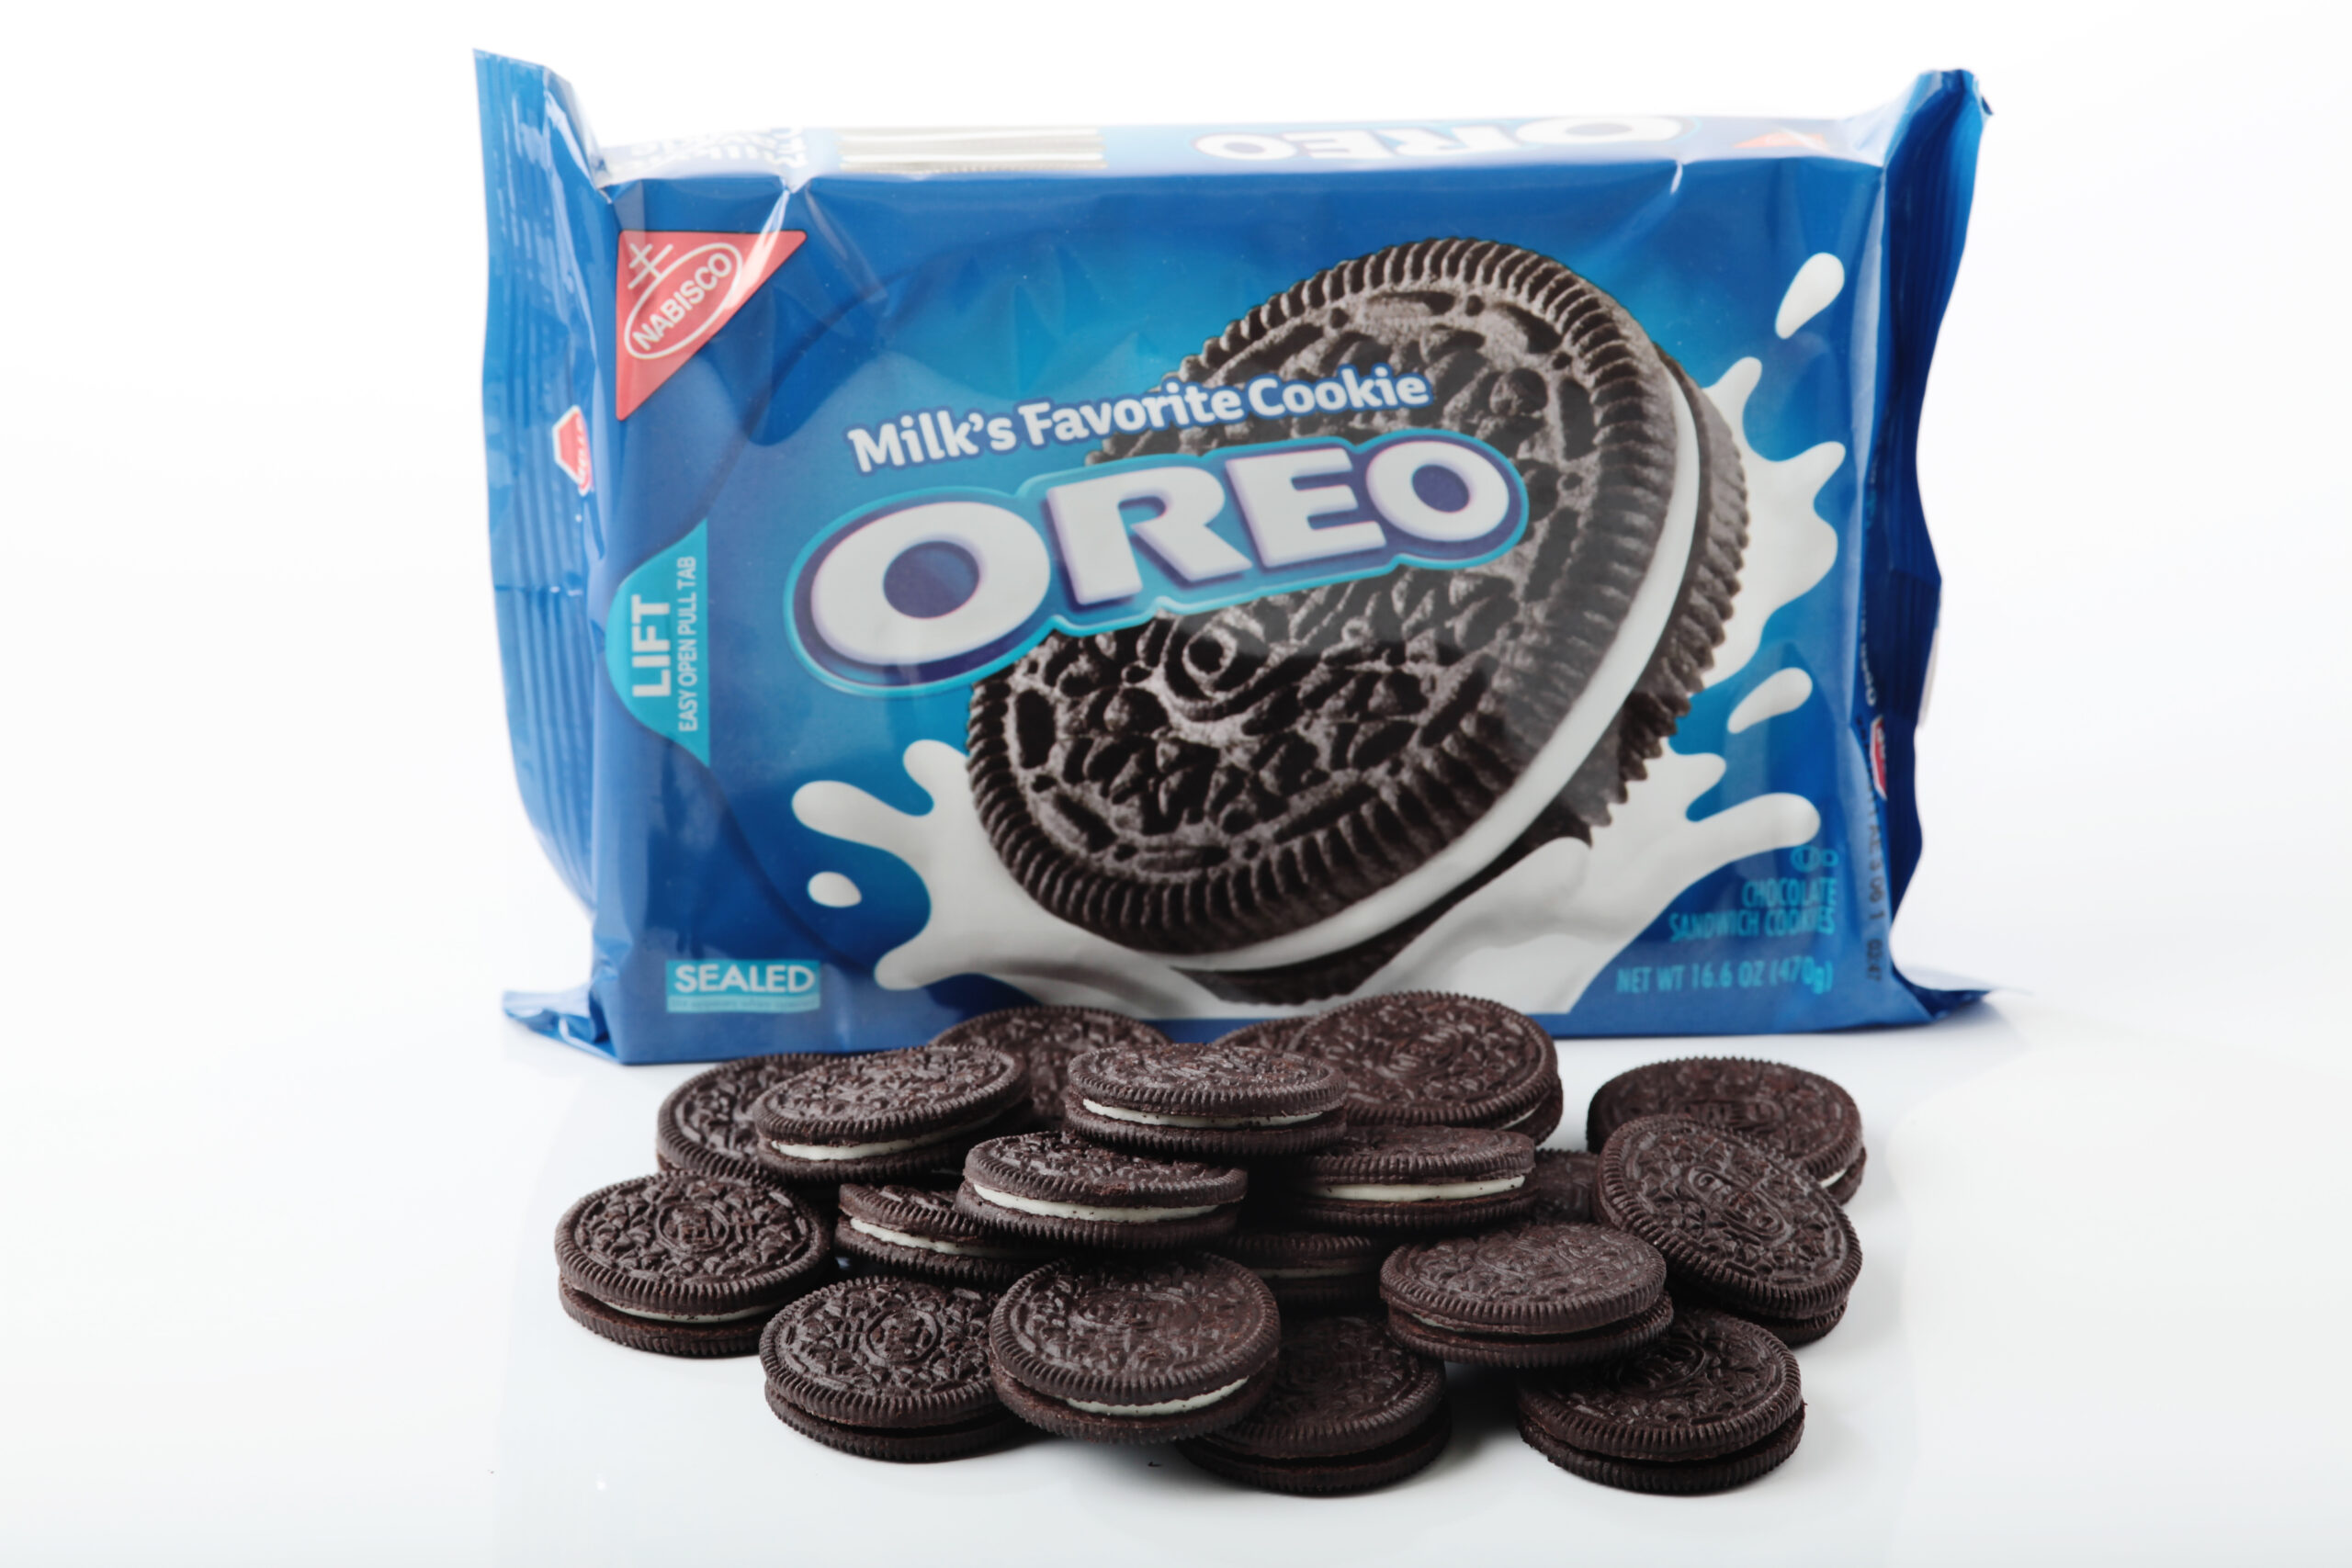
(1212, 573)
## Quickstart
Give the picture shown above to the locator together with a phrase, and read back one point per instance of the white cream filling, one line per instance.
(1165, 1407)
(929, 1244)
(871, 1151)
(689, 1316)
(1413, 1192)
(1054, 1211)
(1835, 1176)
(1154, 1119)
(1580, 730)
(1507, 1126)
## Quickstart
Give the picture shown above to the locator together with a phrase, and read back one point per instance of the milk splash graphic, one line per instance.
(1533, 938)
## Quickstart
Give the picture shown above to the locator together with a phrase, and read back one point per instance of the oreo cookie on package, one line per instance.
(1191, 577)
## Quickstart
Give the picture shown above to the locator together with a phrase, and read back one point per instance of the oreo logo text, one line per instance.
(943, 587)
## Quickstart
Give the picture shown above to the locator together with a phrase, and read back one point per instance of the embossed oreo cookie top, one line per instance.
(1218, 1084)
(686, 1248)
(1541, 1278)
(1266, 1034)
(1136, 1334)
(889, 1102)
(1201, 783)
(1801, 1116)
(1562, 1184)
(1216, 1102)
(1341, 1386)
(1427, 1058)
(1711, 1385)
(706, 1124)
(884, 1352)
(1045, 1038)
(1737, 1222)
(1058, 1168)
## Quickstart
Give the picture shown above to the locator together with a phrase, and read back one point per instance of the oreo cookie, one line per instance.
(1530, 1296)
(1792, 1332)
(1713, 1405)
(1803, 1117)
(1053, 1188)
(1280, 795)
(888, 1369)
(889, 1114)
(1735, 1223)
(687, 1265)
(1043, 1040)
(1143, 1350)
(1563, 1183)
(918, 1230)
(1266, 1034)
(1431, 1059)
(1349, 1409)
(1309, 1270)
(1222, 1101)
(1410, 1180)
(705, 1125)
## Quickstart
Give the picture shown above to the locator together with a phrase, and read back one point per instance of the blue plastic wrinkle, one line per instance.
(798, 439)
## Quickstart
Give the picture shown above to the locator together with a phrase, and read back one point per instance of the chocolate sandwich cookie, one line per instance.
(1735, 1221)
(1408, 1180)
(888, 1369)
(1309, 1270)
(687, 1265)
(1351, 1409)
(1563, 1183)
(1849, 1181)
(1280, 795)
(1266, 1034)
(1714, 1404)
(1803, 1117)
(1054, 1188)
(889, 1114)
(909, 1229)
(1044, 1038)
(1528, 1295)
(1140, 1350)
(1431, 1059)
(1792, 1332)
(705, 1125)
(1217, 1102)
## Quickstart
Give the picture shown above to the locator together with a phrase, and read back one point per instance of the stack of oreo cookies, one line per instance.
(1261, 1249)
(1264, 1248)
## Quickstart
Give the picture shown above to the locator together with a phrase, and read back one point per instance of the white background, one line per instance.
(278, 1180)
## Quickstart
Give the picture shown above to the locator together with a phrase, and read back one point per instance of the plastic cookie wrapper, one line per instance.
(1213, 573)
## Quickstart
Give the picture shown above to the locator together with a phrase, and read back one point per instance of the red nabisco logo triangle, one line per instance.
(677, 289)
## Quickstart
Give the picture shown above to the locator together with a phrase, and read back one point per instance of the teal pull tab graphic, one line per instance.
(653, 645)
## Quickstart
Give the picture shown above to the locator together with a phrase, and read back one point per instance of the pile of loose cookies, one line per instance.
(1260, 1249)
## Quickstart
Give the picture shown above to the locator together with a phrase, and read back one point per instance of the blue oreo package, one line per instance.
(1213, 573)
